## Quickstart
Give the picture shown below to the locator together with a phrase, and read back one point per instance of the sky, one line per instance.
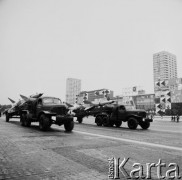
(105, 43)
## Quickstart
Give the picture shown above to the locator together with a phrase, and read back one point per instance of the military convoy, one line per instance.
(45, 110)
(50, 110)
(108, 114)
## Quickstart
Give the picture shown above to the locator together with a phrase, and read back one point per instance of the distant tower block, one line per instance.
(73, 88)
(164, 68)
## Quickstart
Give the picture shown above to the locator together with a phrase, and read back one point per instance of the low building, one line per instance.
(140, 101)
(94, 95)
(145, 101)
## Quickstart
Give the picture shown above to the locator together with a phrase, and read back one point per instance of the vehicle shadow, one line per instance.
(139, 129)
(35, 127)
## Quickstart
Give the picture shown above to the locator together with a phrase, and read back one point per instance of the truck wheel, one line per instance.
(7, 117)
(22, 120)
(27, 121)
(79, 119)
(69, 126)
(118, 123)
(44, 122)
(145, 125)
(98, 120)
(132, 123)
(105, 121)
(111, 123)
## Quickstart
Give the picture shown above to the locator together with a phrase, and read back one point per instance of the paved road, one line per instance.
(28, 153)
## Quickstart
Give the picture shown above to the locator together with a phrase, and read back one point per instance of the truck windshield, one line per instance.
(129, 107)
(52, 101)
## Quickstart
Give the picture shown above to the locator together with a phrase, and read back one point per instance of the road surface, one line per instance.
(28, 153)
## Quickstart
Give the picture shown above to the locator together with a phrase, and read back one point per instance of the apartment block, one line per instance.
(164, 66)
(73, 88)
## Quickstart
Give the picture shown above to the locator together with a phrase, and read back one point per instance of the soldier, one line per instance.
(161, 116)
(151, 116)
(172, 119)
(177, 118)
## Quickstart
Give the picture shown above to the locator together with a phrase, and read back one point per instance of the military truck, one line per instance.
(47, 111)
(110, 115)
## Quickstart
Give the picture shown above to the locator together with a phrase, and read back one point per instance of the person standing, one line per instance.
(172, 119)
(177, 118)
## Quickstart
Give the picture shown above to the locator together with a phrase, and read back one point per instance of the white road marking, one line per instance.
(131, 141)
(126, 129)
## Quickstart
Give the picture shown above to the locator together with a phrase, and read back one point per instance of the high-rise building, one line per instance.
(164, 69)
(164, 66)
(73, 88)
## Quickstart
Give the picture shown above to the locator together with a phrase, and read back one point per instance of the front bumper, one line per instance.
(148, 120)
(63, 119)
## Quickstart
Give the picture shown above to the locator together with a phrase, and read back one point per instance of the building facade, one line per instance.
(140, 101)
(132, 91)
(98, 95)
(145, 101)
(164, 69)
(175, 87)
(73, 88)
(165, 66)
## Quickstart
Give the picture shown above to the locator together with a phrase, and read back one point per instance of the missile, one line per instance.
(11, 100)
(36, 95)
(24, 97)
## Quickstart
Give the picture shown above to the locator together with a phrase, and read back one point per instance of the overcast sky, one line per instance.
(105, 43)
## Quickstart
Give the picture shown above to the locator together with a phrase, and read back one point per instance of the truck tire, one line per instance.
(111, 123)
(98, 120)
(44, 122)
(105, 121)
(79, 119)
(145, 125)
(27, 121)
(132, 123)
(118, 123)
(7, 117)
(69, 126)
(22, 120)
